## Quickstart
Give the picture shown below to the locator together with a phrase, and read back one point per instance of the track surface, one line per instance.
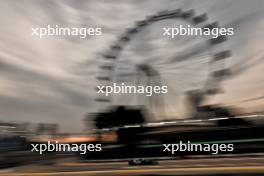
(231, 166)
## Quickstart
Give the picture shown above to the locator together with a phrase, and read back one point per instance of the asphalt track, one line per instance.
(227, 166)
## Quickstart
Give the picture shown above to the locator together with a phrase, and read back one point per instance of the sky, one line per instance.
(52, 79)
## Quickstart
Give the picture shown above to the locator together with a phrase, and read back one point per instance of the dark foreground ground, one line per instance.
(252, 165)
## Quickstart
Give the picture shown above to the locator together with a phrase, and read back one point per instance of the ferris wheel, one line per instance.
(191, 66)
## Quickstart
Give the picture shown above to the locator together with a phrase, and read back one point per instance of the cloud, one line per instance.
(53, 79)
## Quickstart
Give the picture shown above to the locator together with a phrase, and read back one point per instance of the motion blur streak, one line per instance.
(214, 92)
(185, 171)
(53, 79)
